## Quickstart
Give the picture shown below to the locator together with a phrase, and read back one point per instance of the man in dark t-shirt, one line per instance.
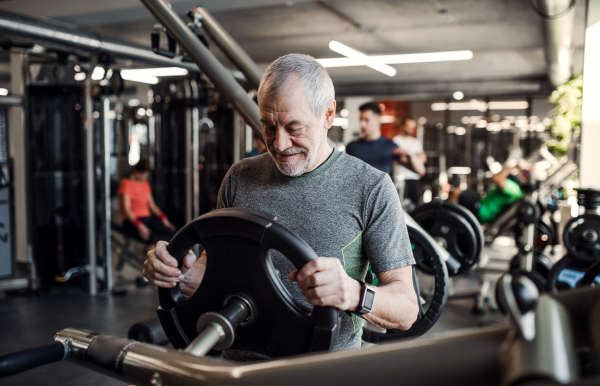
(373, 148)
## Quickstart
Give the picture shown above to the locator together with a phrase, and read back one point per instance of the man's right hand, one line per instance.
(161, 269)
(144, 231)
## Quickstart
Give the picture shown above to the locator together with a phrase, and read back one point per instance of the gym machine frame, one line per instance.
(540, 345)
(87, 44)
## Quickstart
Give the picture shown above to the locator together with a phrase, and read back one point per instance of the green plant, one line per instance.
(567, 114)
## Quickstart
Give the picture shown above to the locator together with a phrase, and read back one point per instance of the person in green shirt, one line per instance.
(495, 201)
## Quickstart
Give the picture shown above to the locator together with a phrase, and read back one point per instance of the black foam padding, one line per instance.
(21, 361)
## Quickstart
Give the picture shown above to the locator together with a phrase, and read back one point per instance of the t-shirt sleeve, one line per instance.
(512, 189)
(385, 236)
(125, 187)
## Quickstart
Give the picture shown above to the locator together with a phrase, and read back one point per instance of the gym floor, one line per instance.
(42, 315)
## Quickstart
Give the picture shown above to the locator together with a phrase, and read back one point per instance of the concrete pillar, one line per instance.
(18, 152)
(590, 136)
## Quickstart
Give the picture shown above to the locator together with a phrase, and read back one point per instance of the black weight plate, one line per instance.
(455, 225)
(543, 265)
(586, 251)
(592, 276)
(422, 250)
(565, 274)
(544, 236)
(237, 242)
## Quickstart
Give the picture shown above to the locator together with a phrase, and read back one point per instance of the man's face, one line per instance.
(410, 128)
(292, 132)
(369, 124)
(142, 176)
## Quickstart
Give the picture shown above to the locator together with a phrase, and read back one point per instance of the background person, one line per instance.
(412, 160)
(142, 218)
(372, 147)
(495, 201)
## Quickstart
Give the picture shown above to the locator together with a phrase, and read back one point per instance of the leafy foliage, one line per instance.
(567, 114)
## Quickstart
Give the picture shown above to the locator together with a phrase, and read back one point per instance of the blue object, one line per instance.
(572, 277)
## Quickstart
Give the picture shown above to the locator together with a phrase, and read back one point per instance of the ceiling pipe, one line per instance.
(219, 75)
(229, 46)
(558, 17)
(37, 31)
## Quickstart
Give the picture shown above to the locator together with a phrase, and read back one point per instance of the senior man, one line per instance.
(346, 210)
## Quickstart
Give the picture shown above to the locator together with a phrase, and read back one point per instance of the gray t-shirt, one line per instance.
(344, 209)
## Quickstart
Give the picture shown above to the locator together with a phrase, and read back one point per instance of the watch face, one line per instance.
(369, 297)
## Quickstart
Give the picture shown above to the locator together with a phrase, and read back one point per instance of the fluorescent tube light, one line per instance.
(3, 91)
(139, 78)
(474, 104)
(98, 73)
(340, 122)
(387, 119)
(155, 72)
(397, 59)
(459, 169)
(364, 59)
(510, 105)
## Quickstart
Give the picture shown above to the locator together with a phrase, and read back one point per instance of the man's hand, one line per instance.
(324, 282)
(161, 269)
(404, 156)
(168, 224)
(400, 151)
(144, 231)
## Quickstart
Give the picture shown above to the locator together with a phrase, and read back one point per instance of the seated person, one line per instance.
(495, 201)
(142, 219)
(346, 210)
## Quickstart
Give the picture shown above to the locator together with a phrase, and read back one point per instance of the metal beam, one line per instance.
(229, 46)
(221, 77)
(37, 31)
(90, 208)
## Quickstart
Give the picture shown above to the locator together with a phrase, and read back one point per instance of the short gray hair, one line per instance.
(312, 76)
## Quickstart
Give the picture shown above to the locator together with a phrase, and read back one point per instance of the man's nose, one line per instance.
(282, 140)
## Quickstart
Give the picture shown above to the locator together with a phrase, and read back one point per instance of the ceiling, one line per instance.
(505, 37)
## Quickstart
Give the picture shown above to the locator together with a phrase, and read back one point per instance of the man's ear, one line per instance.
(330, 114)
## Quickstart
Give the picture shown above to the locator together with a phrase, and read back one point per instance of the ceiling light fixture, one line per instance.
(474, 104)
(361, 58)
(156, 72)
(98, 73)
(150, 75)
(139, 78)
(340, 122)
(396, 59)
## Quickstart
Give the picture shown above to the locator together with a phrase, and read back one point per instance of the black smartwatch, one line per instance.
(367, 297)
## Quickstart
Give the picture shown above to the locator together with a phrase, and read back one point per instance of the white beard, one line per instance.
(298, 167)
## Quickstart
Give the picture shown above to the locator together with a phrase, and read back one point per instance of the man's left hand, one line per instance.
(168, 224)
(324, 282)
(400, 151)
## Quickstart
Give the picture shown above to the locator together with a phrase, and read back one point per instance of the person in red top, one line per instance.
(141, 217)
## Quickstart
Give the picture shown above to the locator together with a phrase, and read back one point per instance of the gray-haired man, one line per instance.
(346, 210)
